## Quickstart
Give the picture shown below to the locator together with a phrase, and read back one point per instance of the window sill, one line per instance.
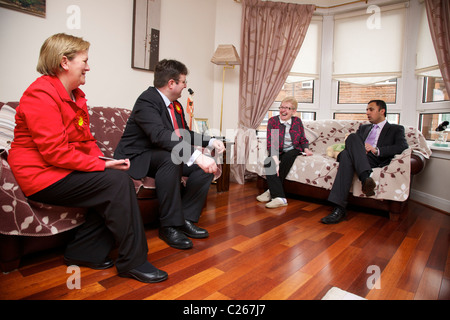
(439, 152)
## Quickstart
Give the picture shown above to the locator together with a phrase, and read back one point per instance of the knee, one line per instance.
(270, 166)
(351, 138)
(118, 177)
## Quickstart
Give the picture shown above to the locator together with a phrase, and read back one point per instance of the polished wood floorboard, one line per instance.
(270, 254)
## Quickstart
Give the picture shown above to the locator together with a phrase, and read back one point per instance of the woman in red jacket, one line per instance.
(55, 160)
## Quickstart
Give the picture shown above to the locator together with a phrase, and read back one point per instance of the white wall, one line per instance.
(189, 33)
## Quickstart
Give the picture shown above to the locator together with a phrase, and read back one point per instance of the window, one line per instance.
(391, 117)
(434, 90)
(429, 122)
(435, 102)
(301, 81)
(303, 91)
(261, 131)
(349, 93)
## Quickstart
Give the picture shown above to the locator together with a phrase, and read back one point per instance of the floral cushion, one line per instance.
(319, 170)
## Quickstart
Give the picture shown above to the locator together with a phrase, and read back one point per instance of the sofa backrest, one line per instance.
(107, 126)
(330, 132)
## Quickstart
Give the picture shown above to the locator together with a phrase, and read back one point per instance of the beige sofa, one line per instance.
(313, 176)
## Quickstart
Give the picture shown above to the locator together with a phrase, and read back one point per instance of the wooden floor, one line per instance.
(282, 254)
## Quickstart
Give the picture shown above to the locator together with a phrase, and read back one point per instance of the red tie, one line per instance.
(174, 120)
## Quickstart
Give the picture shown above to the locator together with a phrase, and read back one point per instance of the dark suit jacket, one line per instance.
(149, 127)
(391, 141)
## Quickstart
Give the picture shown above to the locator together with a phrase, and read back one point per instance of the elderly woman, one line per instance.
(56, 160)
(285, 141)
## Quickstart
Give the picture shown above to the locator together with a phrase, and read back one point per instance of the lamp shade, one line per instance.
(226, 54)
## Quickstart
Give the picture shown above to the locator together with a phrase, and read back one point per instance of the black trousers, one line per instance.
(113, 219)
(176, 206)
(274, 181)
(353, 159)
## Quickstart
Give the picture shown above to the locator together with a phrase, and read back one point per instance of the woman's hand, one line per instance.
(308, 152)
(123, 164)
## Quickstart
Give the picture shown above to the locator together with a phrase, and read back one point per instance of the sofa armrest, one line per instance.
(19, 216)
(418, 162)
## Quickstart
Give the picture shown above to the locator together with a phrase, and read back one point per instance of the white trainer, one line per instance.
(264, 197)
(276, 203)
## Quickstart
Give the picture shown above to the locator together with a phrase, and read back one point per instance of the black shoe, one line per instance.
(147, 277)
(368, 187)
(193, 231)
(108, 263)
(175, 238)
(335, 216)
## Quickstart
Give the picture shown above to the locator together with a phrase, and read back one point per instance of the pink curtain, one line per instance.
(272, 34)
(438, 12)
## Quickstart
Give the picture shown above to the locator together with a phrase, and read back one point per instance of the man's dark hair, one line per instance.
(381, 104)
(166, 70)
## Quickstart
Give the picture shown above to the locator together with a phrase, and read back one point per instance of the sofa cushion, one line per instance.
(7, 124)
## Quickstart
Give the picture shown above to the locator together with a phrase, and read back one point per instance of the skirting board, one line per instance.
(430, 200)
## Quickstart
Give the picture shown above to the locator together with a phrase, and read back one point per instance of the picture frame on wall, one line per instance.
(146, 34)
(34, 7)
(201, 125)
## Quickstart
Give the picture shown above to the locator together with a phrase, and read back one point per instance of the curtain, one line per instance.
(438, 12)
(271, 36)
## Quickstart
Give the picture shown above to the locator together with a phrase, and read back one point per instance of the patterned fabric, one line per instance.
(319, 170)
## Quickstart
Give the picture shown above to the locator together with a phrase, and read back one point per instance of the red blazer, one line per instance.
(52, 136)
(297, 133)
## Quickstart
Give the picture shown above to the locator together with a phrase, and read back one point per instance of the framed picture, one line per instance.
(201, 125)
(34, 7)
(146, 26)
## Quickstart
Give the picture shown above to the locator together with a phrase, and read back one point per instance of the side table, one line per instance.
(223, 182)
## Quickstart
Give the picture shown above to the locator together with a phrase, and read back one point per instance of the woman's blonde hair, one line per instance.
(292, 101)
(55, 48)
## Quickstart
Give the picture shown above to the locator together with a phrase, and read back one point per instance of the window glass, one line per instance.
(391, 117)
(429, 122)
(434, 90)
(303, 91)
(349, 93)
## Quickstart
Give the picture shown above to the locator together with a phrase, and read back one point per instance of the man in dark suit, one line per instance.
(373, 145)
(159, 144)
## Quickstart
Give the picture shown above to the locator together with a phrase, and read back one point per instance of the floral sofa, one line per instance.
(313, 176)
(27, 226)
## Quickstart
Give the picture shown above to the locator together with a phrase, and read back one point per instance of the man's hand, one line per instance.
(206, 163)
(219, 146)
(370, 148)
